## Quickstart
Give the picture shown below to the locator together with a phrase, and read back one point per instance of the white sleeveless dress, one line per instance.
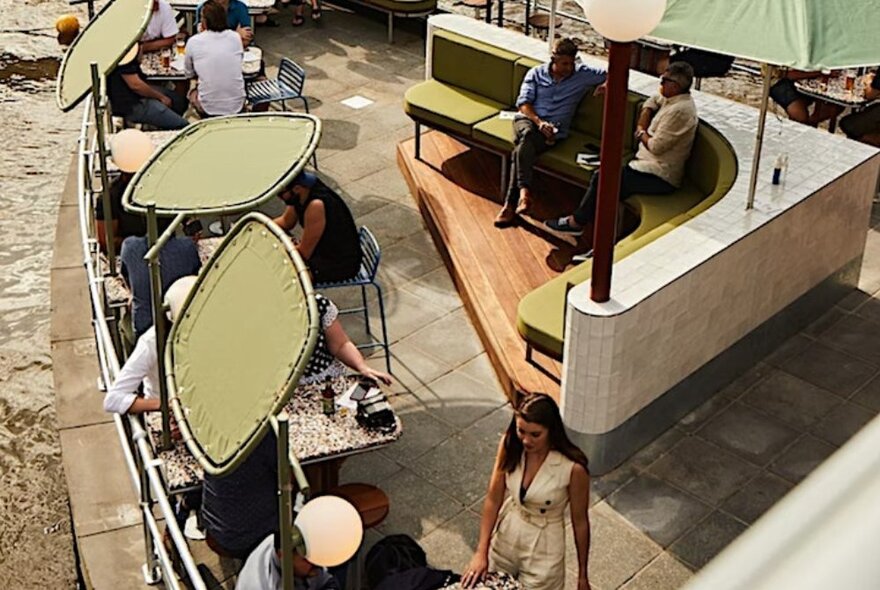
(529, 539)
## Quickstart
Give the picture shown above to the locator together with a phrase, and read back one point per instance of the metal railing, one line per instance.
(143, 466)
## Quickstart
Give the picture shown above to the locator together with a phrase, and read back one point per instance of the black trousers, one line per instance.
(529, 144)
(631, 182)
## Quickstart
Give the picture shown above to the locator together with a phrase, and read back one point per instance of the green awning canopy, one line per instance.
(105, 41)
(801, 34)
(225, 164)
(243, 338)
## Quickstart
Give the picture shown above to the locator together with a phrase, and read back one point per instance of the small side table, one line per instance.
(541, 23)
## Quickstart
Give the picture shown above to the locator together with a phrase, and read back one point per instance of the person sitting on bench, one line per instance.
(547, 101)
(665, 131)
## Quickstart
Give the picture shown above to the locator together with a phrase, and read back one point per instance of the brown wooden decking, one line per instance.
(457, 190)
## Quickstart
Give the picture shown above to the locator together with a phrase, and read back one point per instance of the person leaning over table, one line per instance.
(237, 19)
(262, 570)
(329, 243)
(214, 57)
(542, 473)
(142, 367)
(784, 92)
(547, 101)
(162, 29)
(137, 101)
(864, 125)
(665, 132)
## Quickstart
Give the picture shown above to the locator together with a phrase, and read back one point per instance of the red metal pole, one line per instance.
(611, 155)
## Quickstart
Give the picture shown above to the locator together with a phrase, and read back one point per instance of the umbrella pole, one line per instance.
(99, 105)
(158, 321)
(611, 158)
(285, 492)
(551, 30)
(767, 70)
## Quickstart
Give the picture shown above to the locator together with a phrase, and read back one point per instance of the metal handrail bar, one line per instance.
(109, 366)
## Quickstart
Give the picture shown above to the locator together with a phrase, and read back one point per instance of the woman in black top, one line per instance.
(329, 244)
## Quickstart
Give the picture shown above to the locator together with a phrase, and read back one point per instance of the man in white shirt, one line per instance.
(262, 570)
(214, 56)
(143, 364)
(665, 131)
(162, 29)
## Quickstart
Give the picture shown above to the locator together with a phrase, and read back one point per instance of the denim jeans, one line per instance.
(152, 112)
(631, 182)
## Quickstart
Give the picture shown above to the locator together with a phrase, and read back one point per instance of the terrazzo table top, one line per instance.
(314, 437)
(494, 581)
(834, 90)
(151, 65)
(254, 6)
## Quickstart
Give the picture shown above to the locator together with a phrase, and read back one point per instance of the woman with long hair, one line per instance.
(542, 472)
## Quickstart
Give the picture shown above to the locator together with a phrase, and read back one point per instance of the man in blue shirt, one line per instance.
(548, 98)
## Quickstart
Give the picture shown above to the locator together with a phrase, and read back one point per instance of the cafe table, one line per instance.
(833, 90)
(154, 70)
(316, 439)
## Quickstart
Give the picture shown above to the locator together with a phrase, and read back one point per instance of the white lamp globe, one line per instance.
(331, 529)
(623, 20)
(130, 148)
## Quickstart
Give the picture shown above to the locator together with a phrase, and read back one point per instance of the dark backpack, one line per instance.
(418, 578)
(395, 555)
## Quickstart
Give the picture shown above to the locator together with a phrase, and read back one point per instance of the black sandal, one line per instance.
(316, 13)
(298, 21)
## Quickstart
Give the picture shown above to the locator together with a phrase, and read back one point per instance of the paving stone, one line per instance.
(405, 263)
(392, 222)
(459, 400)
(113, 559)
(461, 465)
(452, 545)
(870, 310)
(417, 507)
(699, 545)
(405, 314)
(480, 369)
(436, 287)
(617, 549)
(604, 485)
(749, 434)
(75, 371)
(756, 497)
(843, 422)
(411, 368)
(869, 395)
(792, 400)
(422, 431)
(801, 458)
(703, 469)
(746, 381)
(451, 339)
(657, 509)
(700, 416)
(68, 216)
(372, 468)
(663, 573)
(828, 319)
(852, 301)
(73, 319)
(856, 336)
(791, 347)
(837, 372)
(658, 447)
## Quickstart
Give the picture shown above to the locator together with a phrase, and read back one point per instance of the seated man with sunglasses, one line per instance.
(665, 131)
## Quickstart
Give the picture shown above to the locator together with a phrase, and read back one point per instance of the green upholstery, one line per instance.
(588, 117)
(562, 157)
(708, 178)
(482, 69)
(448, 107)
(495, 132)
(404, 6)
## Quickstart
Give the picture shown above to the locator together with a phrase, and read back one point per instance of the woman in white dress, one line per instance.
(542, 472)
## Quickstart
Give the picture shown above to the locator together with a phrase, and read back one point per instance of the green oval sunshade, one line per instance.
(105, 40)
(224, 164)
(243, 338)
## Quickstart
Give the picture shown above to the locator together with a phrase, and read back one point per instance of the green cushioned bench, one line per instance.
(710, 172)
(466, 101)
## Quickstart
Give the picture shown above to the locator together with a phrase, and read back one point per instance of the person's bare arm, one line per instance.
(141, 88)
(288, 219)
(157, 44)
(314, 222)
(871, 93)
(246, 34)
(579, 498)
(479, 565)
(341, 346)
(645, 118)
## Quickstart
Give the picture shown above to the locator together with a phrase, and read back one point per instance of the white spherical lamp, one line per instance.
(130, 148)
(331, 529)
(623, 20)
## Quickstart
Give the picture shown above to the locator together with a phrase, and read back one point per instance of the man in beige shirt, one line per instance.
(665, 132)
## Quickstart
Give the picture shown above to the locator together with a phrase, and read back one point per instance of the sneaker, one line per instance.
(578, 258)
(563, 226)
(505, 217)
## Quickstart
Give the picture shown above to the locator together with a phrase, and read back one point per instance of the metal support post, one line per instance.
(158, 319)
(151, 571)
(767, 72)
(99, 105)
(611, 156)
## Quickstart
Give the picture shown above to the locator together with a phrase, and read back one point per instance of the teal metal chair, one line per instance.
(366, 276)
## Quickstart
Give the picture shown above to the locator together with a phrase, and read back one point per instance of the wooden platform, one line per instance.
(457, 189)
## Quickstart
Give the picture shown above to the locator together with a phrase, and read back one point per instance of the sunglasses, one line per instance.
(664, 80)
